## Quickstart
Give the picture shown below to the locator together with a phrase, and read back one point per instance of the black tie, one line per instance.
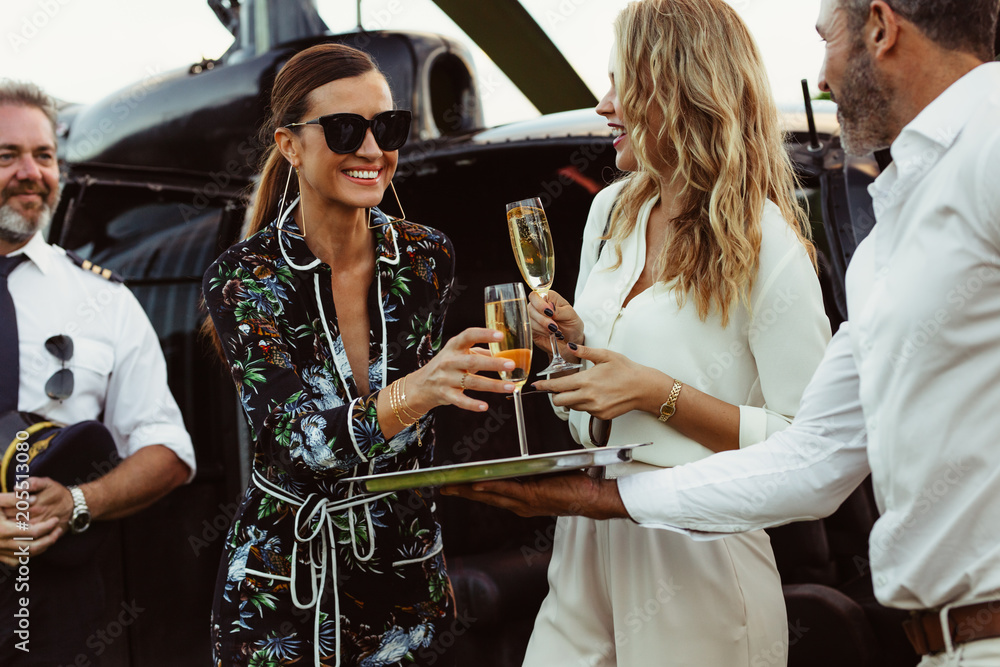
(9, 362)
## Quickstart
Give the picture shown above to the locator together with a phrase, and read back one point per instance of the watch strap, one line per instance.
(80, 511)
(669, 406)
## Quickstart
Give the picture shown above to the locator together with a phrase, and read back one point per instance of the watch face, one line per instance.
(80, 522)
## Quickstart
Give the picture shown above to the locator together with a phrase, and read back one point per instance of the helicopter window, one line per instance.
(453, 96)
(157, 239)
(110, 222)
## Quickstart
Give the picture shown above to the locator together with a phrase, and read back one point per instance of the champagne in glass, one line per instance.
(535, 255)
(507, 312)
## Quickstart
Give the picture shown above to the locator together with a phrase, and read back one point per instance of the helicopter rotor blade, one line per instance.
(523, 51)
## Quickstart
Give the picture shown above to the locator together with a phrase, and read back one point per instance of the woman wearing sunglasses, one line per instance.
(703, 320)
(330, 316)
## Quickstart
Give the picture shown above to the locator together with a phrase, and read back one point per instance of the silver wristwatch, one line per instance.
(79, 521)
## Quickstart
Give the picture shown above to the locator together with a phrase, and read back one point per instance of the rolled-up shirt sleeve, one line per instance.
(139, 409)
(800, 473)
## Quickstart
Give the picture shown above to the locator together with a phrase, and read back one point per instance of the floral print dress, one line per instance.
(314, 572)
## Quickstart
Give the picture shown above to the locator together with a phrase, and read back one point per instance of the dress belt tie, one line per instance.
(314, 528)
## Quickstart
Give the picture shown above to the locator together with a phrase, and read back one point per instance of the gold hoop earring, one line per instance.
(284, 205)
(302, 204)
(402, 214)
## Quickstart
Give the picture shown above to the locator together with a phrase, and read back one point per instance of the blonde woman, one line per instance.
(701, 313)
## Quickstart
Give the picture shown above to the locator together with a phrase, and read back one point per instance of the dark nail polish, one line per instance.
(560, 336)
(573, 346)
(553, 328)
(548, 311)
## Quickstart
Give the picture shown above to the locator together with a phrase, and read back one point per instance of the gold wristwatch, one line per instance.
(669, 406)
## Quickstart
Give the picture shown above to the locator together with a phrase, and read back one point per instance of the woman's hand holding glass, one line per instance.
(611, 387)
(568, 325)
(454, 369)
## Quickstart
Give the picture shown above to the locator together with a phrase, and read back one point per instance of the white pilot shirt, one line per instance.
(908, 389)
(118, 367)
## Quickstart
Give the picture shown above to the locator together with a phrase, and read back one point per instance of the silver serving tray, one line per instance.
(483, 471)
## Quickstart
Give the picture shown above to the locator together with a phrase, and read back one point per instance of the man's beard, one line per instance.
(17, 227)
(863, 105)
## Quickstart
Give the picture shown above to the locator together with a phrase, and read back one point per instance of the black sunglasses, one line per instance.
(345, 132)
(60, 386)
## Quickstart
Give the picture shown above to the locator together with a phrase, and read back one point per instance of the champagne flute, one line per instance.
(532, 243)
(507, 312)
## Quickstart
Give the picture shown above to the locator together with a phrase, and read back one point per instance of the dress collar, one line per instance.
(296, 251)
(386, 245)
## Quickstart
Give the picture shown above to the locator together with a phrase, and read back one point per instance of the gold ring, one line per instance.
(462, 381)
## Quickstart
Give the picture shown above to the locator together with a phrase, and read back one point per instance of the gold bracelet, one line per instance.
(394, 403)
(406, 407)
(394, 389)
(399, 394)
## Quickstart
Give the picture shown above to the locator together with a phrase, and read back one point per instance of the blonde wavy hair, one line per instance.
(696, 99)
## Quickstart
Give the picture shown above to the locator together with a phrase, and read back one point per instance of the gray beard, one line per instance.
(862, 108)
(16, 228)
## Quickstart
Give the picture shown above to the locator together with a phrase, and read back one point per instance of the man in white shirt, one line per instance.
(909, 389)
(115, 373)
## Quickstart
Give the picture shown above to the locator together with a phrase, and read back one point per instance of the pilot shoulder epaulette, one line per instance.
(87, 265)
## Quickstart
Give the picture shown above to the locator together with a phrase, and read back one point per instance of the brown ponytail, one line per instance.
(273, 176)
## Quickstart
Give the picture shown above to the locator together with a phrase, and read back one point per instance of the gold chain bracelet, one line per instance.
(397, 401)
(404, 405)
(394, 402)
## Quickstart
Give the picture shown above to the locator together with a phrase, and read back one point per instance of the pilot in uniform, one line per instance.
(118, 367)
(119, 378)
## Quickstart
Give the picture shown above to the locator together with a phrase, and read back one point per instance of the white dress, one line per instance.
(620, 594)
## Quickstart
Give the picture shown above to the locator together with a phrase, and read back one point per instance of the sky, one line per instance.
(83, 50)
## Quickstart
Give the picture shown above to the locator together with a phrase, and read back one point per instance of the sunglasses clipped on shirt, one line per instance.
(60, 386)
(345, 132)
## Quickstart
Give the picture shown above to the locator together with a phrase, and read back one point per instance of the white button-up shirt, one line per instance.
(118, 367)
(908, 389)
